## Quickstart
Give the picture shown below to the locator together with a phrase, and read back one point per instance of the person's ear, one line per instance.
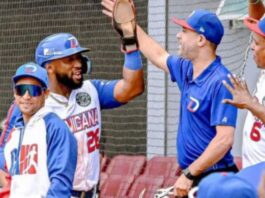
(46, 92)
(201, 40)
(49, 68)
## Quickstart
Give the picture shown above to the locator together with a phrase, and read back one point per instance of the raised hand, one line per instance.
(107, 7)
(239, 90)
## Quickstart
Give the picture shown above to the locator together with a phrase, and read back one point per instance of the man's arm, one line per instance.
(215, 151)
(256, 9)
(132, 83)
(61, 157)
(150, 48)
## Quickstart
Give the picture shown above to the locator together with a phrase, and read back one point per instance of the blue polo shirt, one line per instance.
(201, 109)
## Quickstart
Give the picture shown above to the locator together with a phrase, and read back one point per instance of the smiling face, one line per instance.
(68, 71)
(258, 47)
(187, 40)
(27, 103)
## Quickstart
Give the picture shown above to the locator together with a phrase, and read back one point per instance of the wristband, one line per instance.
(133, 61)
(187, 174)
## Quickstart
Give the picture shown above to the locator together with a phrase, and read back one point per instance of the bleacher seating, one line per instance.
(103, 178)
(148, 184)
(161, 166)
(126, 165)
(116, 186)
(127, 176)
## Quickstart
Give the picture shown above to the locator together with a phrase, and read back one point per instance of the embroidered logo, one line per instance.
(224, 120)
(30, 69)
(83, 99)
(193, 104)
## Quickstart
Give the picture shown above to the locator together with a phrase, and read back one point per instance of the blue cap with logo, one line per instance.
(57, 46)
(32, 70)
(228, 185)
(204, 22)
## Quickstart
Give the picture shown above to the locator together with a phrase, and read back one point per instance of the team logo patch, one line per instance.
(71, 43)
(83, 99)
(28, 159)
(193, 104)
(30, 69)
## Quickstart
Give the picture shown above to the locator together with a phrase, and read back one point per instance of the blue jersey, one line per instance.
(41, 157)
(201, 109)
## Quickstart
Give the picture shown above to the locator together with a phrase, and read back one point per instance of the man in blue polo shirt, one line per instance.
(206, 129)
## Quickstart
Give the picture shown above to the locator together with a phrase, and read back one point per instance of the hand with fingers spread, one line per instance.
(239, 90)
(107, 7)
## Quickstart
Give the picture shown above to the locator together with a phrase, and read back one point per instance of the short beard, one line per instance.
(68, 82)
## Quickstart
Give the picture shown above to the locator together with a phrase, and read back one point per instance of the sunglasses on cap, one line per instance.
(33, 90)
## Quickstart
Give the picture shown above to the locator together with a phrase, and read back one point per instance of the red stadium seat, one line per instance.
(126, 165)
(238, 162)
(148, 184)
(162, 166)
(170, 181)
(116, 186)
(103, 179)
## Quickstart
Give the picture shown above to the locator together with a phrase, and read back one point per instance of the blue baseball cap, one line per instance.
(255, 25)
(32, 70)
(253, 174)
(228, 185)
(203, 22)
(57, 46)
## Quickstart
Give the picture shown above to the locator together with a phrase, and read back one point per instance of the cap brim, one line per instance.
(252, 24)
(81, 50)
(17, 77)
(182, 23)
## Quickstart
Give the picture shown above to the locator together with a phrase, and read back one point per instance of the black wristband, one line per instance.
(187, 174)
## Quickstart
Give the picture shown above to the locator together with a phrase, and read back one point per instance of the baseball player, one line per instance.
(41, 152)
(79, 102)
(206, 127)
(253, 150)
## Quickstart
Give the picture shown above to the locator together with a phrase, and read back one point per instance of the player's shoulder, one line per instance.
(87, 85)
(221, 73)
(53, 119)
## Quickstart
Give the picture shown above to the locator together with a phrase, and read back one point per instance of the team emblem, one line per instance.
(193, 105)
(30, 68)
(83, 99)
